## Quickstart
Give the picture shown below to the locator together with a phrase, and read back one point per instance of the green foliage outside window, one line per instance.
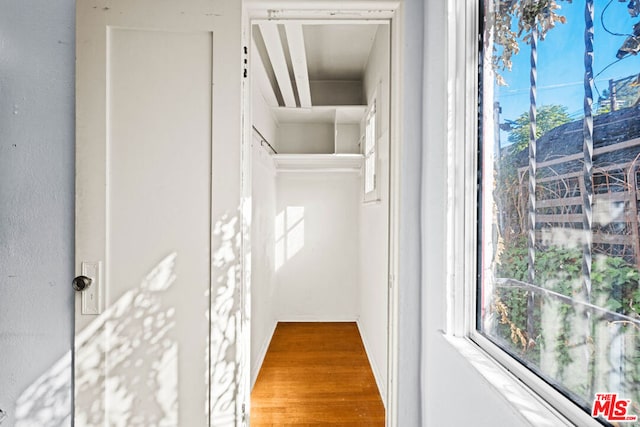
(615, 286)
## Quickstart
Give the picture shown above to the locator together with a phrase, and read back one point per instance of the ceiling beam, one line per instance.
(295, 38)
(262, 78)
(272, 41)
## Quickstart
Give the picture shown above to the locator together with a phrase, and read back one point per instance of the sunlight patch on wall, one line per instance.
(48, 399)
(289, 234)
(131, 341)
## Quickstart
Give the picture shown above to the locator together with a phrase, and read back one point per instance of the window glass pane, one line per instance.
(559, 215)
(370, 145)
(370, 151)
(369, 179)
(370, 132)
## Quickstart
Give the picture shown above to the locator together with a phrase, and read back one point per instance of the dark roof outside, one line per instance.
(608, 128)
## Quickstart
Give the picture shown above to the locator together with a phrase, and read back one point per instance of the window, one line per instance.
(559, 190)
(370, 156)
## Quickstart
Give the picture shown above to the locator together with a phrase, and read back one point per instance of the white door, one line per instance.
(157, 213)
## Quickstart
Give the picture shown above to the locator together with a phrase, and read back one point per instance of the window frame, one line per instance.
(505, 373)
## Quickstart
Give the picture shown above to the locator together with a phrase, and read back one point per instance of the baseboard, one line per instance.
(376, 372)
(263, 352)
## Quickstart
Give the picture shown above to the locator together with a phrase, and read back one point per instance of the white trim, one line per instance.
(263, 352)
(243, 396)
(523, 399)
(317, 162)
(353, 10)
(462, 167)
(395, 155)
(555, 403)
(374, 368)
(321, 21)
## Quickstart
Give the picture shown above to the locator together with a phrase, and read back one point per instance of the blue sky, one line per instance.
(561, 60)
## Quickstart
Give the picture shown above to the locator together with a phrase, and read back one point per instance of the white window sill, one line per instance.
(533, 409)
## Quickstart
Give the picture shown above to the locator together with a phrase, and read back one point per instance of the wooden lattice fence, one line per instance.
(559, 205)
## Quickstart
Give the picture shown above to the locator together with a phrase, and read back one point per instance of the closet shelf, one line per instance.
(339, 114)
(318, 162)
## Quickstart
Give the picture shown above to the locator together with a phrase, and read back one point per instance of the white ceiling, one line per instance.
(332, 52)
(338, 52)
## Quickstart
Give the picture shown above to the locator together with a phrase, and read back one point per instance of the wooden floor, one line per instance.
(316, 374)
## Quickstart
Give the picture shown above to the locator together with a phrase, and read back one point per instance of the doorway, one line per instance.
(320, 169)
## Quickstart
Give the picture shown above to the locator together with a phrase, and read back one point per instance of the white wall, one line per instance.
(37, 42)
(263, 285)
(374, 220)
(263, 118)
(306, 138)
(317, 236)
(347, 138)
(263, 209)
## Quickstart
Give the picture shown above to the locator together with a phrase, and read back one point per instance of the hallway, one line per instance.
(316, 374)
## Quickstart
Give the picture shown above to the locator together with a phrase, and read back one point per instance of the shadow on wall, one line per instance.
(140, 373)
(227, 363)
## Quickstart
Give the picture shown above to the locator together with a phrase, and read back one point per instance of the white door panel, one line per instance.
(158, 167)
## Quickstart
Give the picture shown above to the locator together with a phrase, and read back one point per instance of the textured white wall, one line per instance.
(317, 246)
(37, 42)
(374, 220)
